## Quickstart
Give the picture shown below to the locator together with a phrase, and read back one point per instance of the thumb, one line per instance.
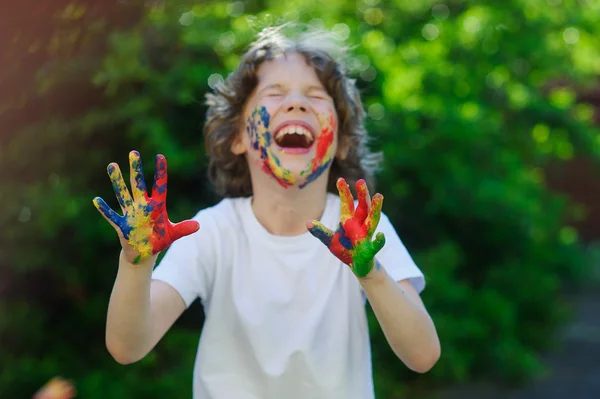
(318, 230)
(111, 216)
(184, 228)
(378, 243)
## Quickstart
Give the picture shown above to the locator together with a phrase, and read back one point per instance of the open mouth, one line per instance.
(294, 136)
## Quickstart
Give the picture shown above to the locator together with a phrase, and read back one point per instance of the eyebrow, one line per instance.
(280, 86)
(271, 86)
(317, 88)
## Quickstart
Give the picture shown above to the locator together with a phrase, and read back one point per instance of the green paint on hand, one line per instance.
(363, 256)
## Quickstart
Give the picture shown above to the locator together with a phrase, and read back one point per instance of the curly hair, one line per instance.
(229, 173)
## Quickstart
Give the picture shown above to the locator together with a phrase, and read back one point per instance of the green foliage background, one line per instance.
(470, 101)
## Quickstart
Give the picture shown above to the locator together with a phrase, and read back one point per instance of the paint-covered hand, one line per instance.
(353, 242)
(144, 229)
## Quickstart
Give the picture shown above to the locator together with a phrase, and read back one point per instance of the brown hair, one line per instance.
(228, 172)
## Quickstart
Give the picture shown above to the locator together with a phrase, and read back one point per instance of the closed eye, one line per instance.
(317, 94)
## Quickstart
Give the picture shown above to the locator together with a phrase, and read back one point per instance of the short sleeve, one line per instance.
(395, 258)
(189, 263)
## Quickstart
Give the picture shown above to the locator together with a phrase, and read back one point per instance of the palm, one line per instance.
(144, 225)
(352, 242)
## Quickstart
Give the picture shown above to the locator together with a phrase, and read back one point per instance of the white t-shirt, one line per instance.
(284, 317)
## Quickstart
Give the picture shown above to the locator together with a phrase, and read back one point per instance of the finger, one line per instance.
(321, 232)
(362, 210)
(118, 222)
(136, 174)
(119, 187)
(159, 189)
(111, 216)
(184, 228)
(378, 243)
(372, 220)
(346, 200)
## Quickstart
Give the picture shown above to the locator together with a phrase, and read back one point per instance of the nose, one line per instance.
(296, 102)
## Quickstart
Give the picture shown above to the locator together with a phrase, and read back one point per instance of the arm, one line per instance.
(140, 310)
(398, 307)
(404, 320)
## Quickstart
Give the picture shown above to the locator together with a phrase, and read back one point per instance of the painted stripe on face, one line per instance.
(324, 149)
(261, 139)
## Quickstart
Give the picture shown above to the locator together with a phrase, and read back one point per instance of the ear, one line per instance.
(343, 148)
(237, 146)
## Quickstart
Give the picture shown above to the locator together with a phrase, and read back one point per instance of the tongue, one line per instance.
(293, 141)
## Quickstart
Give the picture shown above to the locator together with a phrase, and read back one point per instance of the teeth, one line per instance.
(295, 130)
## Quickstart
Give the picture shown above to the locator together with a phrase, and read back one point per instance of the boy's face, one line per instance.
(290, 130)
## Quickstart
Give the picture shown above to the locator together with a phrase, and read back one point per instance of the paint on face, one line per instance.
(145, 223)
(324, 150)
(352, 241)
(261, 139)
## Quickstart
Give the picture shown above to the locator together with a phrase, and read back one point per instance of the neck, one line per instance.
(285, 211)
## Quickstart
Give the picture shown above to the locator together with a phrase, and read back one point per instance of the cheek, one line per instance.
(257, 127)
(328, 121)
(334, 123)
(268, 104)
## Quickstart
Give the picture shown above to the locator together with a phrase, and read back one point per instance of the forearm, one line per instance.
(129, 320)
(406, 324)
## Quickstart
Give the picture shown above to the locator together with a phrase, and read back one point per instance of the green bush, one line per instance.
(470, 102)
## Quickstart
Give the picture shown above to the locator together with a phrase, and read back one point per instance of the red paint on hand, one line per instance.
(145, 225)
(352, 241)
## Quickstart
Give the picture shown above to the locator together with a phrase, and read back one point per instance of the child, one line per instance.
(285, 314)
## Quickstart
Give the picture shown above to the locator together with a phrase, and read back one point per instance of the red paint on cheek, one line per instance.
(324, 143)
(325, 140)
(267, 169)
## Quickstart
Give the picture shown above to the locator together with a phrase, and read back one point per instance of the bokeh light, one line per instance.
(187, 18)
(440, 12)
(430, 32)
(376, 111)
(571, 35)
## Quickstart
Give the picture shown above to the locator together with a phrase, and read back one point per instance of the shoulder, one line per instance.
(219, 225)
(223, 216)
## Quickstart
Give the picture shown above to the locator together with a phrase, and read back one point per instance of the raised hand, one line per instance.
(352, 241)
(145, 228)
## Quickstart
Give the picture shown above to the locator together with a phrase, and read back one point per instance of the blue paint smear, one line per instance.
(159, 189)
(264, 116)
(117, 219)
(157, 230)
(377, 265)
(314, 175)
(344, 241)
(259, 116)
(139, 177)
(122, 201)
(159, 174)
(149, 208)
(321, 235)
(126, 229)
